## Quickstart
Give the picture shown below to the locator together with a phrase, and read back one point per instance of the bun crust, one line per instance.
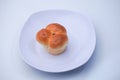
(57, 40)
(56, 28)
(43, 36)
(53, 37)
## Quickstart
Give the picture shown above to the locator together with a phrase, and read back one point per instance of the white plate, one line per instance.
(80, 47)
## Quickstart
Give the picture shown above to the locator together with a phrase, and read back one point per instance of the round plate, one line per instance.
(80, 46)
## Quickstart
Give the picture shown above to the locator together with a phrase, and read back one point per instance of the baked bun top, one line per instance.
(43, 36)
(56, 28)
(54, 35)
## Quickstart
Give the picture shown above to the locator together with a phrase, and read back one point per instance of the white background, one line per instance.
(103, 65)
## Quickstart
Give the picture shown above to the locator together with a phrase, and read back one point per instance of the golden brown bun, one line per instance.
(43, 36)
(53, 37)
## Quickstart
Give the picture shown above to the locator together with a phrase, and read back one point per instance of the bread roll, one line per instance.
(53, 37)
